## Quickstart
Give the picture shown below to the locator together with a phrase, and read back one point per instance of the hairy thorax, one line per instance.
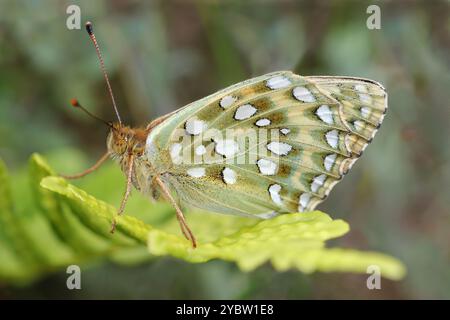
(127, 144)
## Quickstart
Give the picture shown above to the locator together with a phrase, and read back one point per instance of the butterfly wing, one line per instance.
(314, 129)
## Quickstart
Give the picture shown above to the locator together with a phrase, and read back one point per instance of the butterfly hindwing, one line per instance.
(313, 130)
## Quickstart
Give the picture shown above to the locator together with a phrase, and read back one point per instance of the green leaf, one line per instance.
(12, 265)
(97, 215)
(61, 224)
(28, 236)
(288, 241)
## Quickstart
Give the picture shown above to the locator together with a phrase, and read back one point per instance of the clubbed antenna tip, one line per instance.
(89, 28)
(74, 102)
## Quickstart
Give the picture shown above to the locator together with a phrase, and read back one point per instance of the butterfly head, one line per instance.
(123, 140)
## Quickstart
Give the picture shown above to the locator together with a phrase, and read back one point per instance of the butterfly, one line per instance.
(273, 144)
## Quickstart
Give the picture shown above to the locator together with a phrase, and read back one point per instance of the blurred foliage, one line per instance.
(41, 234)
(67, 226)
(164, 54)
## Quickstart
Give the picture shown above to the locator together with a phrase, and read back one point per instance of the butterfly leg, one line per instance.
(180, 216)
(89, 170)
(127, 192)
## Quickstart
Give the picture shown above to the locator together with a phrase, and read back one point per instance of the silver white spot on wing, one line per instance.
(303, 201)
(285, 131)
(227, 101)
(278, 82)
(200, 150)
(359, 125)
(262, 122)
(317, 182)
(196, 172)
(303, 94)
(195, 126)
(175, 153)
(361, 88)
(325, 114)
(332, 138)
(274, 191)
(244, 112)
(365, 112)
(365, 98)
(279, 148)
(329, 160)
(229, 176)
(267, 167)
(227, 147)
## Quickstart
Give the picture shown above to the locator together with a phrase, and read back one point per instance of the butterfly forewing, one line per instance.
(276, 143)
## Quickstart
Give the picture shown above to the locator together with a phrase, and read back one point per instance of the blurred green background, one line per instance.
(162, 55)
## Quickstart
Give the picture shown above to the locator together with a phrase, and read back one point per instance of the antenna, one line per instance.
(90, 31)
(76, 104)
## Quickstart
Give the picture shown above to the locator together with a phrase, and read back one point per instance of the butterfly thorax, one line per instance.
(124, 144)
(124, 141)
